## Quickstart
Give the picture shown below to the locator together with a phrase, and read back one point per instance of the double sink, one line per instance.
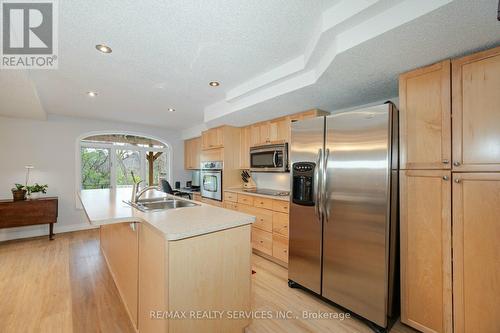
(159, 204)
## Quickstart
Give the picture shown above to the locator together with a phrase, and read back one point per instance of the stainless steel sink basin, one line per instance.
(151, 205)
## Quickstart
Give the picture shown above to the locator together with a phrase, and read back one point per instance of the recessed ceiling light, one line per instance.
(92, 93)
(103, 48)
(171, 110)
(214, 84)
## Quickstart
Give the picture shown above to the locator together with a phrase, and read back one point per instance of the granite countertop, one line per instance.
(241, 190)
(105, 206)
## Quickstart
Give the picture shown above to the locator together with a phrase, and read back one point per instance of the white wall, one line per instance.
(51, 147)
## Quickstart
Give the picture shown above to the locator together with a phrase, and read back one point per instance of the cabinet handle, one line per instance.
(446, 161)
(132, 226)
(457, 180)
(446, 177)
(456, 164)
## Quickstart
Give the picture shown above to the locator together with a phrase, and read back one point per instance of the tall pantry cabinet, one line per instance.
(450, 195)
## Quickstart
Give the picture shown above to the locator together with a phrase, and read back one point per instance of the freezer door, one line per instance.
(304, 262)
(357, 203)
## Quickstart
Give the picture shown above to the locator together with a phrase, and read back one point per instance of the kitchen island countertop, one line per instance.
(105, 206)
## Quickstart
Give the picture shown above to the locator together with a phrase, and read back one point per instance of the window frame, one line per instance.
(113, 161)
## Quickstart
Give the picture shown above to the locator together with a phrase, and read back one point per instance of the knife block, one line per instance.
(250, 184)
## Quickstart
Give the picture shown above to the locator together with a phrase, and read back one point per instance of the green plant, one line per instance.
(19, 187)
(37, 188)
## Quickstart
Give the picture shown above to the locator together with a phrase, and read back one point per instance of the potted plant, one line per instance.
(19, 192)
(35, 190)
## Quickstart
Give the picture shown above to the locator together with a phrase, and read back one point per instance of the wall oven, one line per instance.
(269, 158)
(211, 180)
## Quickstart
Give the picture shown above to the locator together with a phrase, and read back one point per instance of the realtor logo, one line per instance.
(29, 34)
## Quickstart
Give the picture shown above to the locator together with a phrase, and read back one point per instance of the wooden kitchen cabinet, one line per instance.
(476, 252)
(476, 112)
(246, 143)
(120, 246)
(425, 117)
(212, 138)
(192, 151)
(426, 282)
(280, 130)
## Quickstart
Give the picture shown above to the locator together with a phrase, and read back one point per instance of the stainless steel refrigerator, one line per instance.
(344, 209)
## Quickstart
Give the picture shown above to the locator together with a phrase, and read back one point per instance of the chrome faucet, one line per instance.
(136, 193)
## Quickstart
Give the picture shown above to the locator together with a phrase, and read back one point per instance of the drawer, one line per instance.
(212, 202)
(230, 196)
(263, 203)
(230, 205)
(245, 199)
(262, 241)
(280, 248)
(281, 206)
(263, 217)
(280, 223)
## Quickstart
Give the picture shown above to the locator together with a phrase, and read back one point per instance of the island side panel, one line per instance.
(211, 272)
(153, 280)
(119, 244)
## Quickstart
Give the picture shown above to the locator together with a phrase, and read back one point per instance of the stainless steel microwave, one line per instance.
(269, 158)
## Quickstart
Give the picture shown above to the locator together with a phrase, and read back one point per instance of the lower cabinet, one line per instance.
(270, 229)
(433, 203)
(476, 252)
(155, 276)
(120, 246)
(426, 281)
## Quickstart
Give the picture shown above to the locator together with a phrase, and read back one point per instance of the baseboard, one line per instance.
(40, 230)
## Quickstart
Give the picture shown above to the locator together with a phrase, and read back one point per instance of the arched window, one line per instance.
(108, 161)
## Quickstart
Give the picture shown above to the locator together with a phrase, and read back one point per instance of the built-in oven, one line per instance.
(269, 158)
(211, 180)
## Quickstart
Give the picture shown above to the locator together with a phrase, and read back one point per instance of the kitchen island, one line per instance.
(177, 270)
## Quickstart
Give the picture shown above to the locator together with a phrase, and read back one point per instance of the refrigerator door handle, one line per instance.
(317, 182)
(324, 195)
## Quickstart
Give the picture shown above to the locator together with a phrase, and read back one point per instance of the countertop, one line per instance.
(241, 190)
(105, 206)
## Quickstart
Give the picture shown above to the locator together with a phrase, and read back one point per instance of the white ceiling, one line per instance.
(272, 57)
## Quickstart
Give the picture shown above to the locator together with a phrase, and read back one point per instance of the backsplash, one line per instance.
(275, 181)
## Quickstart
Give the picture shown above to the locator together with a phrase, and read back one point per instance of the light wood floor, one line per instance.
(65, 286)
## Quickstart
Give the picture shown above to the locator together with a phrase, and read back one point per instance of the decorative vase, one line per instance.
(19, 195)
(34, 195)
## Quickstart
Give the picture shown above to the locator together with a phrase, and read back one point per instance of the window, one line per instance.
(108, 160)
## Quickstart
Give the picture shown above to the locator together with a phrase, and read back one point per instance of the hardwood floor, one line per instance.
(65, 286)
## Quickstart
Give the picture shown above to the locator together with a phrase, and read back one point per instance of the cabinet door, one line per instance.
(195, 153)
(153, 279)
(255, 135)
(425, 117)
(426, 299)
(265, 133)
(245, 147)
(476, 112)
(279, 130)
(120, 245)
(192, 150)
(476, 252)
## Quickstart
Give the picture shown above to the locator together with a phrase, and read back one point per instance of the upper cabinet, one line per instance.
(425, 117)
(192, 150)
(476, 112)
(212, 138)
(245, 147)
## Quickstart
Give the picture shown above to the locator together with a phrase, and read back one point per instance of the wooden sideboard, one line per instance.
(29, 212)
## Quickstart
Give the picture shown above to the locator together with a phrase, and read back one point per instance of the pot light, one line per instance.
(91, 93)
(103, 48)
(171, 110)
(214, 84)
